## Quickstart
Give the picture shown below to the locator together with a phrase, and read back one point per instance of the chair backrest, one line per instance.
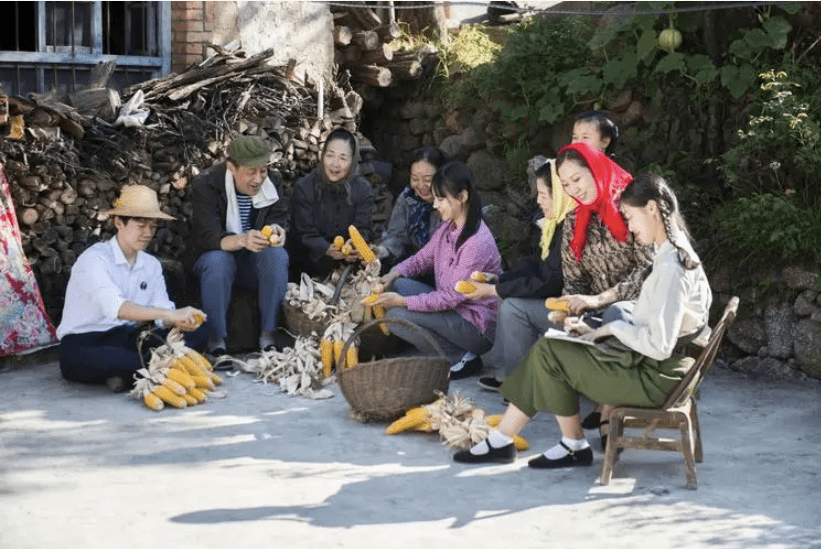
(690, 382)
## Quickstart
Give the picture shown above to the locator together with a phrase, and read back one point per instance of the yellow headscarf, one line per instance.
(562, 204)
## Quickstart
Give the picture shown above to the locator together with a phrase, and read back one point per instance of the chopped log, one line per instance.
(29, 216)
(352, 54)
(380, 56)
(373, 75)
(367, 40)
(342, 35)
(389, 31)
(407, 69)
(366, 17)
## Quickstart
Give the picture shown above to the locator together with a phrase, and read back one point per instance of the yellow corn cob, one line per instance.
(190, 400)
(199, 319)
(164, 394)
(153, 401)
(202, 382)
(426, 426)
(478, 276)
(379, 312)
(326, 352)
(215, 378)
(339, 242)
(464, 287)
(180, 377)
(188, 364)
(173, 386)
(556, 304)
(267, 231)
(338, 350)
(346, 249)
(370, 299)
(351, 357)
(520, 443)
(199, 394)
(412, 419)
(361, 246)
(199, 360)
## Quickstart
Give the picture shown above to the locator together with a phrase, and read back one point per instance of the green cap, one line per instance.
(247, 150)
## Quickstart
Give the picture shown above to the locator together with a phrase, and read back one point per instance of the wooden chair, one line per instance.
(677, 412)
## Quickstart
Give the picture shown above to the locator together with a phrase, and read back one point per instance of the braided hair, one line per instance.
(650, 186)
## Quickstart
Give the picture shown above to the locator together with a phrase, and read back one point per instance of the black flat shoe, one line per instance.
(592, 421)
(461, 370)
(572, 459)
(505, 454)
(490, 384)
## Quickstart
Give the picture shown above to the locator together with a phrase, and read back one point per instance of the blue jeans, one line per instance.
(266, 272)
(451, 331)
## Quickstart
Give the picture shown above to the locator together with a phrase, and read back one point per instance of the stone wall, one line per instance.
(777, 332)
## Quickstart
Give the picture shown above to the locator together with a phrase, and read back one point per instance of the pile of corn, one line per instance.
(296, 370)
(332, 344)
(459, 422)
(176, 375)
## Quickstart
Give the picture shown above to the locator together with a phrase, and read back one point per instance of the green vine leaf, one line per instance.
(670, 62)
(646, 44)
(777, 32)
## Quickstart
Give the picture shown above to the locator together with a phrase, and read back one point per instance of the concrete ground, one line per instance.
(83, 468)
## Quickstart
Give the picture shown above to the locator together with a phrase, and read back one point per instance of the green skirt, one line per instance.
(554, 372)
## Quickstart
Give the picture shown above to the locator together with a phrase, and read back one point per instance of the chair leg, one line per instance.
(613, 440)
(699, 452)
(686, 429)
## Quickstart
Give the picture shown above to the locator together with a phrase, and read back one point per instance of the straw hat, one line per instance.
(138, 201)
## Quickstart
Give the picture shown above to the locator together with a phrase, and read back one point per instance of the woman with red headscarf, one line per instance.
(601, 262)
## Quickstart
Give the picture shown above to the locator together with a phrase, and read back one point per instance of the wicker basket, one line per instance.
(298, 323)
(382, 390)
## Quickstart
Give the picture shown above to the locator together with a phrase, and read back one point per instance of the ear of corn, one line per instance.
(464, 287)
(267, 231)
(346, 249)
(412, 419)
(326, 351)
(199, 394)
(202, 382)
(520, 443)
(379, 312)
(351, 357)
(338, 345)
(190, 400)
(215, 378)
(556, 304)
(361, 246)
(370, 299)
(339, 242)
(478, 276)
(173, 386)
(180, 377)
(199, 360)
(163, 393)
(153, 401)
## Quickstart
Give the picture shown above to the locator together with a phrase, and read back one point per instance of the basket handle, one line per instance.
(406, 323)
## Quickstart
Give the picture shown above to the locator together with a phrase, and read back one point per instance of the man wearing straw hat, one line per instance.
(115, 286)
(233, 201)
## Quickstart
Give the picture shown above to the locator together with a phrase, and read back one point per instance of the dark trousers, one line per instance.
(93, 357)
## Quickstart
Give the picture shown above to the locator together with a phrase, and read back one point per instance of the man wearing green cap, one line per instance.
(232, 202)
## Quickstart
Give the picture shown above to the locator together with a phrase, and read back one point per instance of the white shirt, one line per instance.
(673, 302)
(102, 280)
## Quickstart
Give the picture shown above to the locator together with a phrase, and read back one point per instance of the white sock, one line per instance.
(215, 343)
(559, 451)
(495, 439)
(266, 339)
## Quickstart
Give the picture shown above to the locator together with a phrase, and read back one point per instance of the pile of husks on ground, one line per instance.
(66, 164)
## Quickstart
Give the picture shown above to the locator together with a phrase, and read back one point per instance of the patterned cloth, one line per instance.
(24, 324)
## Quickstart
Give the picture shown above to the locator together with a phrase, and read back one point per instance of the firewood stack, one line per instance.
(363, 46)
(65, 168)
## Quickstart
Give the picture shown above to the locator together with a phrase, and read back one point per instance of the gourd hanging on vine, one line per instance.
(670, 38)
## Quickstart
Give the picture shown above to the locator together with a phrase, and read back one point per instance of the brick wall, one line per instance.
(191, 26)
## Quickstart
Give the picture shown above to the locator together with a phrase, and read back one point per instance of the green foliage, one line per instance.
(765, 229)
(780, 149)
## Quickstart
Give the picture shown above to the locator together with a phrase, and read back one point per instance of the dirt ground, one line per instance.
(84, 468)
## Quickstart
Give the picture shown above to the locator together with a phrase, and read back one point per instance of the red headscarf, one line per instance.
(610, 180)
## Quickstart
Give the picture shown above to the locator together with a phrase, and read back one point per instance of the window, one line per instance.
(54, 45)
